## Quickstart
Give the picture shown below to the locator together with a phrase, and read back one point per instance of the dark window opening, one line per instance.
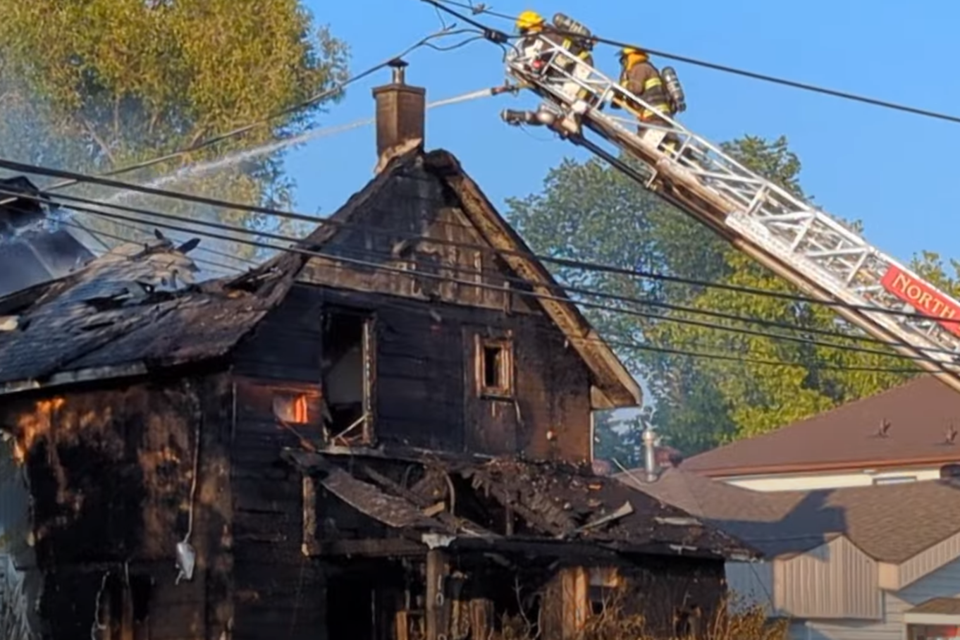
(347, 377)
(495, 368)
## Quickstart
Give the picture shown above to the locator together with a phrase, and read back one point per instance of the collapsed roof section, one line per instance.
(549, 503)
(130, 311)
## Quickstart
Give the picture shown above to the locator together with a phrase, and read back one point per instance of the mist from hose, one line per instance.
(202, 168)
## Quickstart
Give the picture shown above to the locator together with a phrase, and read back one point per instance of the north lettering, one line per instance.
(921, 297)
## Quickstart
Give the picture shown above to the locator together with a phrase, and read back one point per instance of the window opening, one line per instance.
(495, 374)
(347, 377)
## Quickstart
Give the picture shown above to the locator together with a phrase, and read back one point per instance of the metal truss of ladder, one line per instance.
(797, 241)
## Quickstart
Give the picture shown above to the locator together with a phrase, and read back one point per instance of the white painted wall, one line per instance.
(943, 583)
(811, 481)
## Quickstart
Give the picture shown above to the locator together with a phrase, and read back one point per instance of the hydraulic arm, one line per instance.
(799, 242)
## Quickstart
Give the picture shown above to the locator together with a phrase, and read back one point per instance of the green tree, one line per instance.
(94, 85)
(588, 211)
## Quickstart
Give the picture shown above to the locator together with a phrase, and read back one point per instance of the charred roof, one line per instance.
(129, 311)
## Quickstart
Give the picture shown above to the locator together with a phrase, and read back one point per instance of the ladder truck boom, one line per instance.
(797, 241)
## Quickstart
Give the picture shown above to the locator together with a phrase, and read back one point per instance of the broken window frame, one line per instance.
(506, 367)
(361, 433)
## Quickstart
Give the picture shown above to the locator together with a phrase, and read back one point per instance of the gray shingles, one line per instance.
(880, 520)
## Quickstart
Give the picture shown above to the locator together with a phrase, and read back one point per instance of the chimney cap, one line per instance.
(398, 63)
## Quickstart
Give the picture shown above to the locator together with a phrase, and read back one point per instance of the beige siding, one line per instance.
(750, 583)
(939, 555)
(945, 582)
(835, 580)
(836, 480)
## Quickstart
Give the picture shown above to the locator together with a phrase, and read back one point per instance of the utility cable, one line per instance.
(625, 344)
(381, 267)
(498, 37)
(514, 280)
(319, 97)
(562, 262)
(220, 266)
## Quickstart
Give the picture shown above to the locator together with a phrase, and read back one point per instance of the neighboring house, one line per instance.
(376, 433)
(902, 435)
(30, 254)
(853, 563)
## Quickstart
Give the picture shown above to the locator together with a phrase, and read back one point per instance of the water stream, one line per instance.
(202, 168)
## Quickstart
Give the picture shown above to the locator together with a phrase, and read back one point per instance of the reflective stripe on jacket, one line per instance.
(644, 81)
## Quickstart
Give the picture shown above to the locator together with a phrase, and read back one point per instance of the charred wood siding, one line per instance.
(286, 343)
(417, 204)
(427, 392)
(111, 476)
(277, 588)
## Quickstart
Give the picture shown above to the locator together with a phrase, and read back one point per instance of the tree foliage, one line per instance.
(93, 85)
(588, 211)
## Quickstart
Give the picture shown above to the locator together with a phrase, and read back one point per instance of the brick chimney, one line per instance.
(401, 111)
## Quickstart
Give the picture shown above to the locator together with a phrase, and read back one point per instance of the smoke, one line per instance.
(57, 238)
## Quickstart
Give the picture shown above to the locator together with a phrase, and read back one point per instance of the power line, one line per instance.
(462, 269)
(498, 36)
(563, 262)
(319, 97)
(113, 236)
(631, 345)
(374, 265)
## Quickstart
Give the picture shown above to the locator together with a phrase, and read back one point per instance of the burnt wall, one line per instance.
(285, 345)
(425, 377)
(278, 589)
(114, 476)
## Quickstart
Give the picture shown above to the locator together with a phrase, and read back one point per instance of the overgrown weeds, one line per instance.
(731, 621)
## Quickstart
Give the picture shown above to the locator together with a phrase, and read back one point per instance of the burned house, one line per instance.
(382, 433)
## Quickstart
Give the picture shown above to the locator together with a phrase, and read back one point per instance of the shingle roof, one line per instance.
(919, 413)
(880, 520)
(941, 606)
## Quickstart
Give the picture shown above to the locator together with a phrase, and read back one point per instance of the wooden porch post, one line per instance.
(437, 607)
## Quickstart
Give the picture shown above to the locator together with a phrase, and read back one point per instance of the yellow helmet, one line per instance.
(632, 51)
(529, 20)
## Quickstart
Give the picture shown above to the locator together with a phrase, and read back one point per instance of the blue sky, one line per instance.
(893, 171)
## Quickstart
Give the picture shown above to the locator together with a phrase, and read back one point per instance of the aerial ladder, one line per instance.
(799, 242)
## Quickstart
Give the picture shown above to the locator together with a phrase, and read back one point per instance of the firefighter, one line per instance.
(641, 78)
(530, 24)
